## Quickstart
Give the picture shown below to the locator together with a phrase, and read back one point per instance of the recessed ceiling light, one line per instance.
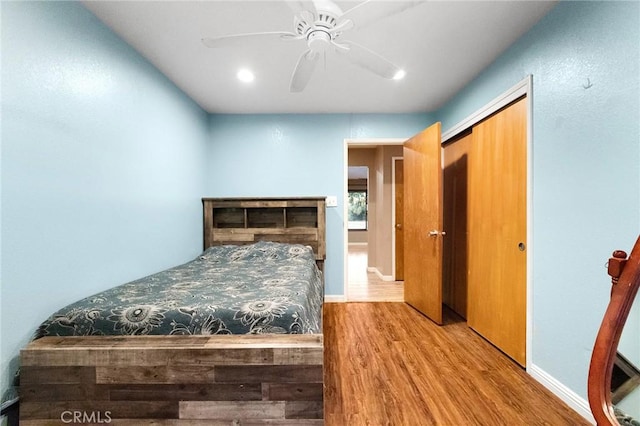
(245, 75)
(399, 75)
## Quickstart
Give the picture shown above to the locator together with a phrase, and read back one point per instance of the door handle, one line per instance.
(435, 233)
(399, 225)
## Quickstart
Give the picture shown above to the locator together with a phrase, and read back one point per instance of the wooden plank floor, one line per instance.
(386, 364)
(365, 286)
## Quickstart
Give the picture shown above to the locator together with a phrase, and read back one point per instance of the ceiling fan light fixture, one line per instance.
(399, 75)
(245, 75)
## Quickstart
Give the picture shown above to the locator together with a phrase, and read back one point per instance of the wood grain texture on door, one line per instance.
(423, 222)
(498, 229)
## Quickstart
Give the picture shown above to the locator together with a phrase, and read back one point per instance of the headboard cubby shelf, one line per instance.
(247, 220)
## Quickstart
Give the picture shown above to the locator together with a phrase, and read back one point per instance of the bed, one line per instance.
(232, 337)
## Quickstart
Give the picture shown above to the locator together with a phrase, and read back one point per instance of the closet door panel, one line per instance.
(497, 230)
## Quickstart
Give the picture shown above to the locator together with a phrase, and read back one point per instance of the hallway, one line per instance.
(366, 286)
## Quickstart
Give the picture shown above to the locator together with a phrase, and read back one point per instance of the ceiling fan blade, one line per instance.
(298, 6)
(367, 59)
(237, 39)
(370, 11)
(303, 71)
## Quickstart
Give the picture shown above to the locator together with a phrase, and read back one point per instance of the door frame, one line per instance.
(522, 88)
(394, 161)
(362, 143)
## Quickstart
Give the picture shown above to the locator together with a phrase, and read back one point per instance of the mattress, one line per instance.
(264, 287)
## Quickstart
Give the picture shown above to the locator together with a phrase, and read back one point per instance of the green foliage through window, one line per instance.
(357, 210)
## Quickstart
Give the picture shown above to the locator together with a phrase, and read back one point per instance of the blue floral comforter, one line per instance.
(261, 288)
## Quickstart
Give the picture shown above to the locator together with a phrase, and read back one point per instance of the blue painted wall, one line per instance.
(297, 155)
(93, 134)
(586, 166)
(102, 166)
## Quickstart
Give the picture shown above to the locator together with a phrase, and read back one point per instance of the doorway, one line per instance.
(369, 255)
(364, 284)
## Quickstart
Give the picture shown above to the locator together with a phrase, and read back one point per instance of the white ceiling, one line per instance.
(442, 45)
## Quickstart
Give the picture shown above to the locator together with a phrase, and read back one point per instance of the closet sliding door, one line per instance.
(497, 208)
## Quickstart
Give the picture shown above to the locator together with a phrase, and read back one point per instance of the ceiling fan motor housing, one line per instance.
(306, 23)
(319, 41)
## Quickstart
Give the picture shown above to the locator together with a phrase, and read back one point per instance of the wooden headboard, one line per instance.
(298, 220)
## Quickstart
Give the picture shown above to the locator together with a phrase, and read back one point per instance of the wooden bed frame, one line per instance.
(189, 380)
(625, 277)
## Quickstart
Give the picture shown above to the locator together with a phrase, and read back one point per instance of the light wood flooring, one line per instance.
(364, 286)
(386, 364)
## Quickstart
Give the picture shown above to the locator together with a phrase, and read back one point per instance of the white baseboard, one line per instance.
(572, 399)
(335, 298)
(379, 274)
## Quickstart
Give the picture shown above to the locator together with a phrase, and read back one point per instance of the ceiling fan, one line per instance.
(321, 24)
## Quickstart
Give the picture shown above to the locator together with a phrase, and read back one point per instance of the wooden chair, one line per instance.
(625, 277)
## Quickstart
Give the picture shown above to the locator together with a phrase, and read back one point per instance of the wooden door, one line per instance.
(398, 180)
(497, 230)
(423, 222)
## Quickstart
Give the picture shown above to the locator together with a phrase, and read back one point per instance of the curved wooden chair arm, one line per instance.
(625, 279)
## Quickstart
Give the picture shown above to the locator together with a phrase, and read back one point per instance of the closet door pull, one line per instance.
(435, 233)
